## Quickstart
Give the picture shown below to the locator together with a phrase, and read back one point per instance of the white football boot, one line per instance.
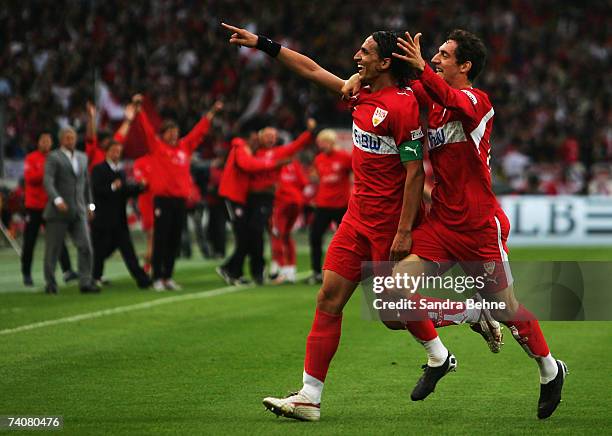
(296, 405)
(489, 329)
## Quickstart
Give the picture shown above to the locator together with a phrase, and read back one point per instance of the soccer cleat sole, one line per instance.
(300, 413)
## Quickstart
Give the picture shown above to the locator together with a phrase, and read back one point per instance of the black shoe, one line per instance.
(51, 289)
(225, 275)
(144, 283)
(241, 281)
(70, 276)
(259, 281)
(550, 393)
(274, 276)
(431, 376)
(27, 281)
(90, 289)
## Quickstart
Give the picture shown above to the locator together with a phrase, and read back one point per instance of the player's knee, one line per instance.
(328, 300)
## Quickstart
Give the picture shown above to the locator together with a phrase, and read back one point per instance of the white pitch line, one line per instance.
(132, 307)
(123, 309)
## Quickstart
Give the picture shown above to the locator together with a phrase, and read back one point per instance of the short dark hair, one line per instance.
(387, 45)
(469, 48)
(168, 124)
(111, 144)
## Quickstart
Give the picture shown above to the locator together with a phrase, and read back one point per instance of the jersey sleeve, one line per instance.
(292, 148)
(249, 163)
(462, 101)
(191, 141)
(420, 93)
(405, 128)
(149, 133)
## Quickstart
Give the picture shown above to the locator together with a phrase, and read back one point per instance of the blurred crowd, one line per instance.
(545, 74)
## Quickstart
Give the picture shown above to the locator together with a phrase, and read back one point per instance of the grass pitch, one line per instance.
(200, 363)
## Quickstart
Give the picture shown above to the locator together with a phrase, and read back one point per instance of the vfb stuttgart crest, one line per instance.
(489, 267)
(379, 116)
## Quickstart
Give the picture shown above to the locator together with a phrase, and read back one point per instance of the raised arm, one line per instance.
(90, 127)
(195, 136)
(288, 150)
(128, 118)
(296, 62)
(150, 137)
(435, 86)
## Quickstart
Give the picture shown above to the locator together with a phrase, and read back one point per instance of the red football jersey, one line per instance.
(171, 164)
(386, 132)
(33, 174)
(291, 183)
(334, 170)
(460, 123)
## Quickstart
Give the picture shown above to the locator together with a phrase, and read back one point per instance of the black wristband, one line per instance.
(268, 46)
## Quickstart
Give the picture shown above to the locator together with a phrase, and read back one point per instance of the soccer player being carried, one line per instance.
(466, 223)
(385, 202)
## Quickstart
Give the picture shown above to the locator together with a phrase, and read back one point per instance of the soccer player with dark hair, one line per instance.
(466, 224)
(386, 199)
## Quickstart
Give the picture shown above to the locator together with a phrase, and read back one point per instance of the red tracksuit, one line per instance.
(288, 204)
(234, 184)
(34, 171)
(170, 164)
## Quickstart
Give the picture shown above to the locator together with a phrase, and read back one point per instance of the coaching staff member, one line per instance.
(110, 229)
(70, 205)
(170, 185)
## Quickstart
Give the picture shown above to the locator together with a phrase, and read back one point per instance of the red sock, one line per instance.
(322, 343)
(422, 330)
(527, 332)
(277, 249)
(441, 317)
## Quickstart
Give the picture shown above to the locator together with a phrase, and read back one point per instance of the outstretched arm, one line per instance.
(296, 62)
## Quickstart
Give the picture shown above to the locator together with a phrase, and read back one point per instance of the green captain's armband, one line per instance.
(411, 150)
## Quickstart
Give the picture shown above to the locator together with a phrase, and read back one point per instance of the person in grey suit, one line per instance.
(68, 209)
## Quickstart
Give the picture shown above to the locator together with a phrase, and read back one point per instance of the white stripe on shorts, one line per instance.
(504, 255)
